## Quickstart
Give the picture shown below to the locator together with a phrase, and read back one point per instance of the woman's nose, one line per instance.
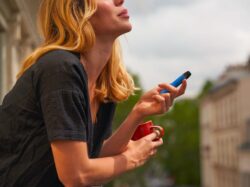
(119, 2)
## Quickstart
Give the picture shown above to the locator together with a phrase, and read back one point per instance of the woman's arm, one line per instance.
(75, 169)
(117, 143)
(151, 103)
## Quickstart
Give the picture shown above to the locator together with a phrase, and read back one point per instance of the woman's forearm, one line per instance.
(103, 170)
(75, 168)
(117, 143)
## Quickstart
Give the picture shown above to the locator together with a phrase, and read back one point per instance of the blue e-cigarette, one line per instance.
(178, 81)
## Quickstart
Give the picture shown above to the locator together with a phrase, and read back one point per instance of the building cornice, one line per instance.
(223, 89)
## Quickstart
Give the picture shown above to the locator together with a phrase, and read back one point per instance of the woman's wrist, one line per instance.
(131, 164)
(137, 114)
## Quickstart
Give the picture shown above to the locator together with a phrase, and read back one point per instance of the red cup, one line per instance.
(147, 128)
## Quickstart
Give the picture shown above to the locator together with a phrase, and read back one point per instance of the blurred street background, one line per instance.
(207, 140)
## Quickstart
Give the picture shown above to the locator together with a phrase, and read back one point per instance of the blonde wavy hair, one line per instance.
(65, 25)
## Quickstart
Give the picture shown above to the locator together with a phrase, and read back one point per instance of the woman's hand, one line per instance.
(153, 103)
(138, 152)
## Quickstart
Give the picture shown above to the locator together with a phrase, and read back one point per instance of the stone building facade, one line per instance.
(18, 37)
(225, 130)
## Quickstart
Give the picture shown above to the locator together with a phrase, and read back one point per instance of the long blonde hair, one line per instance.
(65, 25)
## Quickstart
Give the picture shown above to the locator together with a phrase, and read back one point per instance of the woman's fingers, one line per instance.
(152, 136)
(164, 86)
(175, 92)
(183, 87)
(164, 100)
(154, 91)
(153, 102)
(154, 144)
(168, 99)
(159, 98)
(172, 90)
(158, 143)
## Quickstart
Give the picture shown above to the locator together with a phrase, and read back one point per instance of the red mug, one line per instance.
(147, 128)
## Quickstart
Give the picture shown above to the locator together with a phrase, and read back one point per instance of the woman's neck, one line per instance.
(95, 60)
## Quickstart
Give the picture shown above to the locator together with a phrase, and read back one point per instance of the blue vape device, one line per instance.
(178, 81)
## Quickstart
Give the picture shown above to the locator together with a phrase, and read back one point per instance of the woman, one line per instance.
(55, 124)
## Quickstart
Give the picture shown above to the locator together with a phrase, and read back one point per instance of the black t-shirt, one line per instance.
(49, 102)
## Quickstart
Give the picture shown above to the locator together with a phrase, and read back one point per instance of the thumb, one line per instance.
(152, 136)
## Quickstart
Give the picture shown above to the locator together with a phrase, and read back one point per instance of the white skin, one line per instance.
(119, 154)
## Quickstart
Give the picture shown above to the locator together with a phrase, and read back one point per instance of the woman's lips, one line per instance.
(124, 13)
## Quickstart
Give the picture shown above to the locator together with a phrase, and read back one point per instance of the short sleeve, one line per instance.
(60, 82)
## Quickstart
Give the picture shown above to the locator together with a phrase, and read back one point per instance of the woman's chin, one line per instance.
(126, 29)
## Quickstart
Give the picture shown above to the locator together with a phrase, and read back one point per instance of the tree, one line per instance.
(180, 153)
(205, 89)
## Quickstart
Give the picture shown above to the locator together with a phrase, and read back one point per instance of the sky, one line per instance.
(170, 37)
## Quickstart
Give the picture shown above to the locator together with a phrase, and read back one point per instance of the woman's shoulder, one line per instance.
(59, 61)
(58, 57)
